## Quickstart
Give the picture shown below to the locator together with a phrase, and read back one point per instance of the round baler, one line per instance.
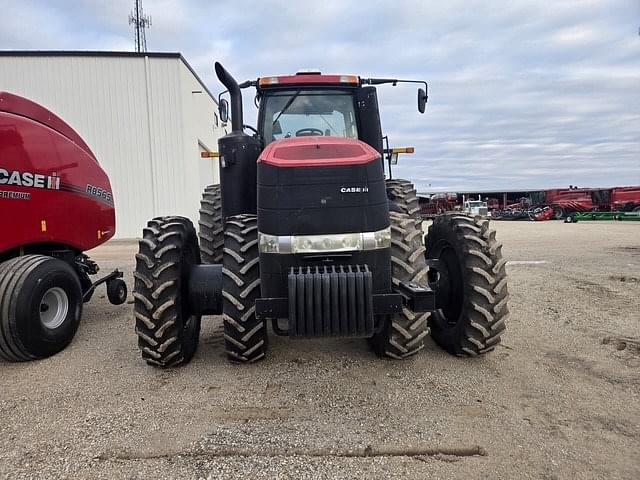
(55, 203)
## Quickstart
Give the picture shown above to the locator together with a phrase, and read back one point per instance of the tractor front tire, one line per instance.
(40, 307)
(403, 334)
(473, 316)
(168, 332)
(210, 225)
(245, 336)
(403, 193)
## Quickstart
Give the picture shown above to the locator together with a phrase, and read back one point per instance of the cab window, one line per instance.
(301, 113)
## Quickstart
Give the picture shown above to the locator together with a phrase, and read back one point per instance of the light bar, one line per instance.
(339, 242)
(309, 79)
(209, 154)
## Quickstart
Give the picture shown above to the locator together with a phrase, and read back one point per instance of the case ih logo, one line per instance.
(354, 189)
(29, 179)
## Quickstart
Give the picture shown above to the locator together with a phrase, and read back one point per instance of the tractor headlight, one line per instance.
(268, 243)
(339, 242)
(326, 243)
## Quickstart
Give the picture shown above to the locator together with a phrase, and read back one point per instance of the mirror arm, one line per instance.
(393, 81)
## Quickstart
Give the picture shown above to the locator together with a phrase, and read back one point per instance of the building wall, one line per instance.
(140, 117)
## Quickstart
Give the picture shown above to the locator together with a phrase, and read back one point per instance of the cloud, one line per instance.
(523, 94)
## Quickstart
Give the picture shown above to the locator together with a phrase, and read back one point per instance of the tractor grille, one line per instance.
(483, 211)
(330, 301)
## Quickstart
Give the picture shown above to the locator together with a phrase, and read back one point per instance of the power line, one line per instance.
(140, 22)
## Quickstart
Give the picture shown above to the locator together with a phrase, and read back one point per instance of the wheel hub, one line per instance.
(54, 308)
(449, 288)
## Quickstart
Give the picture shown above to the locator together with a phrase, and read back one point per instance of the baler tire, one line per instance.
(26, 282)
(474, 321)
(245, 336)
(210, 225)
(168, 333)
(403, 334)
(403, 193)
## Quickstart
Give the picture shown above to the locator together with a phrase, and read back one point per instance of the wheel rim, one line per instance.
(54, 308)
(451, 281)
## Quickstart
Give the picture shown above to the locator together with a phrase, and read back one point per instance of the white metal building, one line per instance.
(146, 116)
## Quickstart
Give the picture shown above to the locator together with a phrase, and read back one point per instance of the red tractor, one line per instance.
(56, 203)
(308, 233)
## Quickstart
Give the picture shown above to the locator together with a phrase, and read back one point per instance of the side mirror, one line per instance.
(394, 159)
(223, 110)
(422, 100)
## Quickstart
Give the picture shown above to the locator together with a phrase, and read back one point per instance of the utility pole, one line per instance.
(140, 22)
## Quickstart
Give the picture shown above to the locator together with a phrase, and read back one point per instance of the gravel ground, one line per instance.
(560, 398)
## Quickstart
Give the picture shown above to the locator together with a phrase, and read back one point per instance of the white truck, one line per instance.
(476, 207)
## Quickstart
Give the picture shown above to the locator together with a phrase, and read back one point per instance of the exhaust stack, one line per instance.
(238, 157)
(236, 97)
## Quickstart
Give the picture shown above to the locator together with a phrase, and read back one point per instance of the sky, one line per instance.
(522, 94)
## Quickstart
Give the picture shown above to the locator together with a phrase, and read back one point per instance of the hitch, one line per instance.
(116, 274)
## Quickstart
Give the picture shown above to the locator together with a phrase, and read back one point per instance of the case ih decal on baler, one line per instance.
(29, 179)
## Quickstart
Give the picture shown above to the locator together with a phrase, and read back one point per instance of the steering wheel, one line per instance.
(308, 132)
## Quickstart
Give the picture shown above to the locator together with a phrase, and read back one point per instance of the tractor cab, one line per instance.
(310, 104)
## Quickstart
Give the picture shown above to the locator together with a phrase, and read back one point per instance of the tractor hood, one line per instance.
(318, 151)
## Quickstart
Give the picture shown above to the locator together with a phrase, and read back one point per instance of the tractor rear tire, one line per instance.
(245, 336)
(474, 318)
(403, 194)
(40, 307)
(403, 333)
(210, 225)
(168, 332)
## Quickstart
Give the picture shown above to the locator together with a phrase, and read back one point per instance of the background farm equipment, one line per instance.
(581, 200)
(437, 204)
(592, 216)
(58, 203)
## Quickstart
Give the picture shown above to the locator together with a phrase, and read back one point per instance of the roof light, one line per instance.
(268, 81)
(350, 79)
(309, 71)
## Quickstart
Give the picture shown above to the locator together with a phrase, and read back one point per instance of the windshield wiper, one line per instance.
(286, 106)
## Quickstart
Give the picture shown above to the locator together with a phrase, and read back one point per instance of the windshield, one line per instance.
(477, 204)
(303, 113)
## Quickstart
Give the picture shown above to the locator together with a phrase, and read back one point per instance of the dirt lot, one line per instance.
(560, 398)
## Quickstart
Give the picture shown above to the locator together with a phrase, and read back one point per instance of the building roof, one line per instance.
(98, 53)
